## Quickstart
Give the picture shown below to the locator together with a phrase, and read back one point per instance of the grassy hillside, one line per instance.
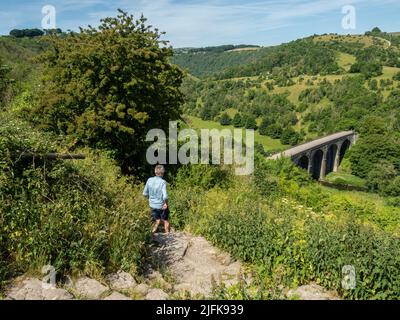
(268, 143)
(299, 78)
(234, 63)
(19, 54)
(206, 64)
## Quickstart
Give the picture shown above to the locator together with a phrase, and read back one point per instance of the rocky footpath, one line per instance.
(193, 263)
(180, 266)
(311, 292)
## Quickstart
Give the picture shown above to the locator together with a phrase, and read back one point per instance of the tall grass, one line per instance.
(292, 233)
(79, 216)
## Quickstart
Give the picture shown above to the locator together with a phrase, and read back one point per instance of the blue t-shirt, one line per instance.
(156, 191)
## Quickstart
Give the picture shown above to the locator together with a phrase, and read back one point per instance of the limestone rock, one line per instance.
(33, 289)
(142, 289)
(89, 288)
(56, 294)
(170, 247)
(311, 292)
(153, 275)
(156, 294)
(194, 263)
(121, 281)
(117, 296)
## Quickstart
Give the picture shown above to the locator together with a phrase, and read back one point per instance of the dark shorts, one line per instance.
(160, 214)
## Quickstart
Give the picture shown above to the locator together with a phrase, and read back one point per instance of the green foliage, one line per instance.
(107, 87)
(17, 54)
(372, 125)
(274, 131)
(397, 76)
(204, 64)
(345, 179)
(190, 183)
(368, 68)
(384, 179)
(373, 84)
(265, 123)
(288, 243)
(302, 57)
(30, 33)
(80, 217)
(350, 101)
(237, 120)
(203, 176)
(249, 121)
(290, 137)
(4, 82)
(372, 149)
(225, 119)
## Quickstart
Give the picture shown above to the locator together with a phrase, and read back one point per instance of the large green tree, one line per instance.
(372, 149)
(106, 87)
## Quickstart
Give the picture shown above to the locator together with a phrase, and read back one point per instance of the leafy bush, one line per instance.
(203, 176)
(79, 216)
(225, 119)
(106, 87)
(237, 120)
(380, 176)
(30, 33)
(368, 68)
(4, 81)
(371, 149)
(292, 234)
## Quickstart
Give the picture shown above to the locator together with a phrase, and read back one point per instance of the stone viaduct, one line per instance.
(321, 156)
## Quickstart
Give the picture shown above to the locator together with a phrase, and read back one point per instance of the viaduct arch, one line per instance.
(321, 156)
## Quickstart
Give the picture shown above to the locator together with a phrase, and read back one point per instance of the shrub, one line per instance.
(237, 120)
(295, 235)
(202, 176)
(30, 33)
(106, 87)
(371, 149)
(380, 176)
(397, 76)
(368, 68)
(4, 82)
(225, 120)
(78, 216)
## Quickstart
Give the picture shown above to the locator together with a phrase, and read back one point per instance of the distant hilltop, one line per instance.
(218, 49)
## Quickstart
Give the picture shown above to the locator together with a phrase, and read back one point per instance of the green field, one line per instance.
(268, 143)
(366, 41)
(346, 60)
(388, 73)
(347, 179)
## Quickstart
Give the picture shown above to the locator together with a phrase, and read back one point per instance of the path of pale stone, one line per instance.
(194, 264)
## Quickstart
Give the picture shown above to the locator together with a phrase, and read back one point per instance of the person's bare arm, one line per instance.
(165, 196)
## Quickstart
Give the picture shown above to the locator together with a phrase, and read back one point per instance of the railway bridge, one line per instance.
(321, 156)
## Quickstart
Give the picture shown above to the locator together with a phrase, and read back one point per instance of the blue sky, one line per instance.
(213, 22)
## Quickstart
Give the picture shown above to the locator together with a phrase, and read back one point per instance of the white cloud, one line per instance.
(197, 22)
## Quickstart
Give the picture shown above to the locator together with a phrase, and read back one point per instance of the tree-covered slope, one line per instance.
(313, 55)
